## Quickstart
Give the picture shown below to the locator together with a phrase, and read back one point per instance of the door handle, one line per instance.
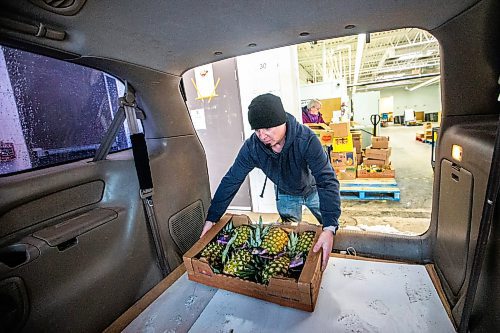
(18, 254)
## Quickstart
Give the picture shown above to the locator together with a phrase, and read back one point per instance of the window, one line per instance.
(52, 111)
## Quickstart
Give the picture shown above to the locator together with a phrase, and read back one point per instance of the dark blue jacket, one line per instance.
(296, 170)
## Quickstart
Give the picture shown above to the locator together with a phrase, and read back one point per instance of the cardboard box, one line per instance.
(369, 161)
(359, 158)
(357, 146)
(378, 154)
(323, 132)
(384, 173)
(341, 129)
(343, 144)
(301, 294)
(345, 172)
(343, 159)
(380, 142)
(357, 141)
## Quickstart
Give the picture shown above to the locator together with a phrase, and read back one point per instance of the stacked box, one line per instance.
(345, 164)
(359, 158)
(376, 172)
(380, 142)
(377, 160)
(343, 144)
(301, 294)
(323, 132)
(356, 141)
(346, 172)
(379, 157)
(343, 156)
(343, 159)
(340, 130)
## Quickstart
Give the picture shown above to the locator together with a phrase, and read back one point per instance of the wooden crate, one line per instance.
(301, 294)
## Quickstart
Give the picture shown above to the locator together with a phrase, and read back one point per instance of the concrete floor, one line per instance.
(411, 215)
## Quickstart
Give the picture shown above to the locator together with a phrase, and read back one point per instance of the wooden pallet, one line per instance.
(369, 189)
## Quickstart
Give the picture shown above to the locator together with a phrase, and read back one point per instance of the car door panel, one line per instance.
(82, 251)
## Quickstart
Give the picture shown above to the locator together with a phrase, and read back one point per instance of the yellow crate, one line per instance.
(343, 144)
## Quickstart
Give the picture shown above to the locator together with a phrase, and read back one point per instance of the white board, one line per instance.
(355, 296)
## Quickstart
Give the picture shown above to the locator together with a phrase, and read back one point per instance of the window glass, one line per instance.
(53, 111)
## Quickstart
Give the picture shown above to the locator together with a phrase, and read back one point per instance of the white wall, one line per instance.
(324, 90)
(427, 99)
(364, 105)
(274, 71)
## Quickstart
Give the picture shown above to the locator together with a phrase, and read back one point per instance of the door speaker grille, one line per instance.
(186, 225)
(63, 7)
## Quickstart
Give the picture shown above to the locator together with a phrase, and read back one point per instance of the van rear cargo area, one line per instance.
(356, 295)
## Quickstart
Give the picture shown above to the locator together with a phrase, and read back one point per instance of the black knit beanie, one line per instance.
(266, 111)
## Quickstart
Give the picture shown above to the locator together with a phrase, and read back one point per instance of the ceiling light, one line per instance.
(457, 152)
(304, 34)
(350, 26)
(217, 53)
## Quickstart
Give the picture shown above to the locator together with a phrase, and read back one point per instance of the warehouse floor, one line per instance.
(411, 215)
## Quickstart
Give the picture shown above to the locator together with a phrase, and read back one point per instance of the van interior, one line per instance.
(74, 238)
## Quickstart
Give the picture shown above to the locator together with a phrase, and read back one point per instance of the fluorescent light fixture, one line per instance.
(425, 83)
(359, 56)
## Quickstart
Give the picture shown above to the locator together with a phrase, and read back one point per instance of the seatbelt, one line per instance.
(112, 132)
(492, 191)
(141, 160)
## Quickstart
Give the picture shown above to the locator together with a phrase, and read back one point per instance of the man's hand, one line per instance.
(325, 241)
(208, 225)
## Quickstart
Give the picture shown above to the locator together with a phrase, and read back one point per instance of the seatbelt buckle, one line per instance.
(146, 193)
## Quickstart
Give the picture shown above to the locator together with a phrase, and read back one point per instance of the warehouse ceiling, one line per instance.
(407, 58)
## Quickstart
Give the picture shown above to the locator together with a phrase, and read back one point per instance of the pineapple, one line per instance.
(275, 267)
(242, 235)
(305, 241)
(225, 234)
(280, 265)
(240, 264)
(275, 240)
(213, 253)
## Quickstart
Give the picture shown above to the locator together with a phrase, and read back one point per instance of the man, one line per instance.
(311, 114)
(291, 155)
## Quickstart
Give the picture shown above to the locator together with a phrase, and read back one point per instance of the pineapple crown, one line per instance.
(228, 228)
(293, 239)
(257, 234)
(228, 247)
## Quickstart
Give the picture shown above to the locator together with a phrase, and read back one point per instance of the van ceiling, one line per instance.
(174, 36)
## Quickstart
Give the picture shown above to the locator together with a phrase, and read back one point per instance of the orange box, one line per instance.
(301, 294)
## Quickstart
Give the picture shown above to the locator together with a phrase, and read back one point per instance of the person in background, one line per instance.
(311, 114)
(292, 157)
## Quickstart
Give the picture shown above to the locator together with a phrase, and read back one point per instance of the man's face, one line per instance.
(271, 136)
